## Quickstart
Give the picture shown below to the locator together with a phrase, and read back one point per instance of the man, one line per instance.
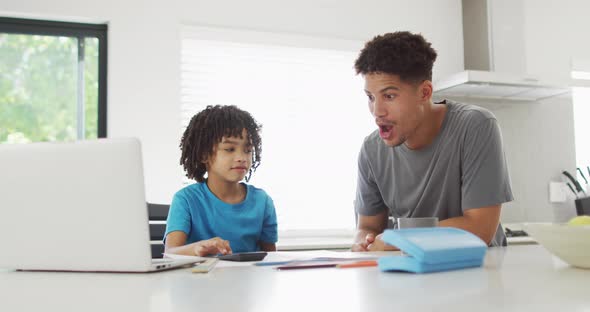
(425, 159)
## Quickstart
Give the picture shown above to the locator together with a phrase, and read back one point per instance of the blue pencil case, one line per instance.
(433, 249)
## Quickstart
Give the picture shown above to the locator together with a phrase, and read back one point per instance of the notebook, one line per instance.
(76, 206)
(433, 249)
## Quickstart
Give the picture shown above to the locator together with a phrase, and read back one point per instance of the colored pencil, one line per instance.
(306, 266)
(358, 264)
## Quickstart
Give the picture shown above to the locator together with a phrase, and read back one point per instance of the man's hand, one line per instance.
(212, 246)
(379, 245)
(367, 229)
(364, 246)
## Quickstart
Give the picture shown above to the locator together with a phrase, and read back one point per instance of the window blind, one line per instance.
(311, 106)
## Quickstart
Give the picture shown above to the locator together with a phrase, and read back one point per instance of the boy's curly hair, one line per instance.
(401, 53)
(207, 128)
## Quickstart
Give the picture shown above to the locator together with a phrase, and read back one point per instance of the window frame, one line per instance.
(70, 29)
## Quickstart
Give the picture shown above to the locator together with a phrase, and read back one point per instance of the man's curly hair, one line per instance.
(207, 128)
(401, 53)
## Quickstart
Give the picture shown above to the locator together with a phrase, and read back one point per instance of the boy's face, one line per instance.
(398, 106)
(231, 159)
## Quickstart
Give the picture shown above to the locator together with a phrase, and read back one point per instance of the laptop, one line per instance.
(76, 206)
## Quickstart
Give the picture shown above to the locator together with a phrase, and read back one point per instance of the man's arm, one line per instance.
(368, 227)
(482, 222)
(485, 181)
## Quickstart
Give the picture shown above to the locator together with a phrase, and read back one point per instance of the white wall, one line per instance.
(144, 52)
(556, 31)
(554, 34)
(537, 38)
(539, 145)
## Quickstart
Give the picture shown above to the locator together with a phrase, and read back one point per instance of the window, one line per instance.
(52, 81)
(312, 108)
(581, 99)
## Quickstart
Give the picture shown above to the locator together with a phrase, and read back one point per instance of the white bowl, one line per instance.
(569, 243)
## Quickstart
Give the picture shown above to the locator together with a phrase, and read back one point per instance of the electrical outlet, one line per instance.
(558, 192)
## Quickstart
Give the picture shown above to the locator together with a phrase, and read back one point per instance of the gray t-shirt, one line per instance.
(463, 168)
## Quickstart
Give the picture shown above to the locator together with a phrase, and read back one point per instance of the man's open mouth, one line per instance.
(385, 131)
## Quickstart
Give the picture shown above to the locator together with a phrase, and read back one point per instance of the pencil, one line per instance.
(206, 266)
(306, 266)
(271, 263)
(358, 264)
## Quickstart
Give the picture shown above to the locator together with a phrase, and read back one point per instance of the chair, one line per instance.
(158, 213)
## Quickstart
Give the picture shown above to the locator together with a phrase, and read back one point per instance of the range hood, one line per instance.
(480, 80)
(493, 85)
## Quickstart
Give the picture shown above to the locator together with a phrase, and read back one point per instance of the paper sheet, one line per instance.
(281, 256)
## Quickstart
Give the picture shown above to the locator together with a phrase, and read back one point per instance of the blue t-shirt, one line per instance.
(201, 215)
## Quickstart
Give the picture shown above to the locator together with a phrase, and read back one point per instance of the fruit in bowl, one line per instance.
(568, 241)
(579, 220)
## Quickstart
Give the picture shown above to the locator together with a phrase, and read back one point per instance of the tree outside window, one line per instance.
(50, 81)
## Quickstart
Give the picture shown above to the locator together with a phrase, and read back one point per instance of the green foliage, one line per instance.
(38, 87)
(91, 87)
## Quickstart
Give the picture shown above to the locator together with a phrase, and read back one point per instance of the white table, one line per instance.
(516, 278)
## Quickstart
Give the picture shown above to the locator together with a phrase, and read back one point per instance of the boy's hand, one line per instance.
(212, 246)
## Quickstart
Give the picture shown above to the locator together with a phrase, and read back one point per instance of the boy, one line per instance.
(220, 214)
